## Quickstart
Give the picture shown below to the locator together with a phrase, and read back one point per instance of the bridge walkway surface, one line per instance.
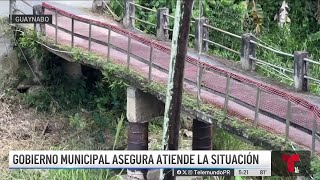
(242, 92)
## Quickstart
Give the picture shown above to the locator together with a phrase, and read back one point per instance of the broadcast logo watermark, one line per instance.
(291, 163)
(27, 19)
(290, 160)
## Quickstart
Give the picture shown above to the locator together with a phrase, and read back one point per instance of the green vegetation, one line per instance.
(93, 105)
(73, 174)
(104, 99)
(257, 17)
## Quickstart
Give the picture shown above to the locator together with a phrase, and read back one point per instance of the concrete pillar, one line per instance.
(129, 10)
(247, 49)
(141, 107)
(12, 6)
(162, 23)
(203, 32)
(39, 10)
(73, 69)
(202, 135)
(98, 6)
(300, 70)
(137, 140)
(36, 66)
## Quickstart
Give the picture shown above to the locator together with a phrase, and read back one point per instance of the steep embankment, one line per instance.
(8, 57)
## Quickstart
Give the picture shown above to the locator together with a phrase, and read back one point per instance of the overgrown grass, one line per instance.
(93, 104)
(223, 140)
(74, 174)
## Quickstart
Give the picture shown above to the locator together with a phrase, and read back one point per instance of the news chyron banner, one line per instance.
(291, 163)
(183, 163)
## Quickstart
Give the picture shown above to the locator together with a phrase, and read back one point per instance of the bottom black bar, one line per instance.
(203, 172)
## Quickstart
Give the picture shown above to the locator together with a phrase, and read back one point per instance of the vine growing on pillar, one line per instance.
(28, 41)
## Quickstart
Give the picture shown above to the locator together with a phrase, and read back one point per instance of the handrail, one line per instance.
(272, 65)
(313, 79)
(264, 45)
(20, 11)
(271, 49)
(223, 31)
(171, 16)
(169, 29)
(143, 21)
(311, 61)
(16, 9)
(24, 1)
(143, 7)
(222, 46)
(285, 76)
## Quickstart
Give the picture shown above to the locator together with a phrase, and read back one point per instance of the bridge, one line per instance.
(233, 98)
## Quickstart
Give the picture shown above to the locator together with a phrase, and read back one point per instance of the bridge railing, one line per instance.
(299, 74)
(36, 10)
(267, 104)
(142, 8)
(162, 26)
(13, 7)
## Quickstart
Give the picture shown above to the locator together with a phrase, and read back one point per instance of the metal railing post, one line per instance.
(314, 139)
(226, 100)
(39, 27)
(199, 80)
(129, 9)
(34, 12)
(109, 44)
(72, 32)
(12, 6)
(90, 34)
(201, 34)
(300, 70)
(247, 50)
(56, 26)
(288, 119)
(42, 26)
(162, 24)
(150, 64)
(129, 51)
(256, 114)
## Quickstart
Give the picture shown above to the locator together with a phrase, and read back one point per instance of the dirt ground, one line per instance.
(22, 128)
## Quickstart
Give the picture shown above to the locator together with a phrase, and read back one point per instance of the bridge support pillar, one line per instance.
(98, 6)
(201, 33)
(73, 69)
(39, 27)
(36, 66)
(162, 24)
(300, 70)
(141, 107)
(129, 14)
(12, 6)
(248, 50)
(202, 135)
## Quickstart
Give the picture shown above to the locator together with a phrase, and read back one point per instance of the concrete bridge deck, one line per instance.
(273, 101)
